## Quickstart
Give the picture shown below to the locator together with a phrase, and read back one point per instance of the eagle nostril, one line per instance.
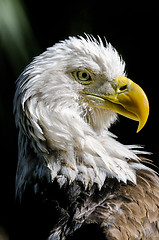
(122, 88)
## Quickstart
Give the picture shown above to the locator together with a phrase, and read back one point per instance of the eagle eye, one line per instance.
(83, 76)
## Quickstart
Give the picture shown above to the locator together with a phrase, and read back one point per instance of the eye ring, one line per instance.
(83, 76)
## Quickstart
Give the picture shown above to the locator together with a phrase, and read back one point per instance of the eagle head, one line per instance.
(65, 101)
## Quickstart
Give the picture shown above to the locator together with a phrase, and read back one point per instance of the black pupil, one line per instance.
(84, 75)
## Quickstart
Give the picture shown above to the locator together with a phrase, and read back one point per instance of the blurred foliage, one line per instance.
(3, 234)
(16, 36)
(17, 47)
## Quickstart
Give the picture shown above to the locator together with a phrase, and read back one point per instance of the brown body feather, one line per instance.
(121, 211)
(118, 211)
(132, 212)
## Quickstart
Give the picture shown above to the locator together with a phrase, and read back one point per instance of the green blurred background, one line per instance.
(27, 28)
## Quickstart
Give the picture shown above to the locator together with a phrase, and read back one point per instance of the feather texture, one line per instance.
(117, 211)
(72, 172)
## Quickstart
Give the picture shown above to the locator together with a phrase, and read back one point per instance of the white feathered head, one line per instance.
(64, 103)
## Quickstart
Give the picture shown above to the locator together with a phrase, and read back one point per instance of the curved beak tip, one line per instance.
(143, 120)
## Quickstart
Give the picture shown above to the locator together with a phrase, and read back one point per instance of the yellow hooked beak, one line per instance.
(129, 100)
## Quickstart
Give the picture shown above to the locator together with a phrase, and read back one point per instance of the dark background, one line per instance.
(27, 28)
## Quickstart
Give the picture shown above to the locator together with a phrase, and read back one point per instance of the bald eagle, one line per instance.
(74, 179)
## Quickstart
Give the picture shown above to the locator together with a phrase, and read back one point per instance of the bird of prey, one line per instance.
(74, 179)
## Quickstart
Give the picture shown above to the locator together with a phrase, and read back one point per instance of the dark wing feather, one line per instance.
(117, 211)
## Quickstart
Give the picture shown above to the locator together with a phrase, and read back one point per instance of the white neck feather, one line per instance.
(86, 150)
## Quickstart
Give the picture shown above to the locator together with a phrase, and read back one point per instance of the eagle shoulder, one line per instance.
(131, 211)
(116, 211)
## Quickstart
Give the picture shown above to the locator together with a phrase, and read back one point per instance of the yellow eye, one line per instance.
(82, 76)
